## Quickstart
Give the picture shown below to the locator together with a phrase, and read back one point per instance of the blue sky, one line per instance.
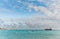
(31, 14)
(19, 8)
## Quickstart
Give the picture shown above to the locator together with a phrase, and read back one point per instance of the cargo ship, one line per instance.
(48, 29)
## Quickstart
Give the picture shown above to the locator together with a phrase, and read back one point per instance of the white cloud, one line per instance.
(35, 22)
(52, 12)
(40, 0)
(43, 9)
(53, 9)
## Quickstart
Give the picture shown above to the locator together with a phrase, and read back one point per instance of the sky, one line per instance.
(20, 8)
(30, 14)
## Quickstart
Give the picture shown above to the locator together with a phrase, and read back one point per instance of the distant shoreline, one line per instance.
(27, 29)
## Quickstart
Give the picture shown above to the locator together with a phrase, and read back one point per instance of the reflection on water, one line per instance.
(21, 34)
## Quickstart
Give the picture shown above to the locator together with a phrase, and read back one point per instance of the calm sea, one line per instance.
(29, 34)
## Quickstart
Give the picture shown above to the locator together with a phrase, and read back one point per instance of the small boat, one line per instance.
(48, 29)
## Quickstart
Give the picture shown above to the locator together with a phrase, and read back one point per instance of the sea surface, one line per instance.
(29, 34)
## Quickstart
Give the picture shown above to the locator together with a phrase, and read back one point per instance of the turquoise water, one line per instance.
(27, 34)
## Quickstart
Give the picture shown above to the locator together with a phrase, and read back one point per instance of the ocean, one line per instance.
(29, 34)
